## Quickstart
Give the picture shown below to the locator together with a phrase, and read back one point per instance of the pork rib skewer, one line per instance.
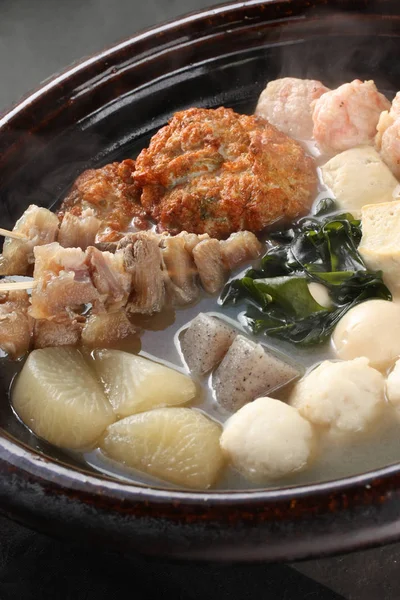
(101, 206)
(147, 272)
(38, 227)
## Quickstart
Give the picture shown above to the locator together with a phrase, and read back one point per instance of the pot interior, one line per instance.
(111, 110)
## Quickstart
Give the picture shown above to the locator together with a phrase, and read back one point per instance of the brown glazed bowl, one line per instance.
(107, 107)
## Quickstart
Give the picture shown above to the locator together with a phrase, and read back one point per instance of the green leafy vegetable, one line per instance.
(326, 206)
(322, 249)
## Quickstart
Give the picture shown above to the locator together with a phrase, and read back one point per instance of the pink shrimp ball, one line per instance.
(348, 116)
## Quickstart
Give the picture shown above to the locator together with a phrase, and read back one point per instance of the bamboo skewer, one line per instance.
(13, 234)
(12, 286)
(9, 286)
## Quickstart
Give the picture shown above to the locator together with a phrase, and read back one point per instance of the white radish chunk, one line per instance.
(205, 342)
(180, 445)
(135, 384)
(247, 371)
(58, 397)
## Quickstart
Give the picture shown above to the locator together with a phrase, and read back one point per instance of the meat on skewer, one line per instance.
(79, 231)
(63, 283)
(147, 272)
(16, 325)
(142, 259)
(36, 227)
(139, 276)
(39, 226)
(103, 329)
(179, 263)
(52, 333)
(102, 205)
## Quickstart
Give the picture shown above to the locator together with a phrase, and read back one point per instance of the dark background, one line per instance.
(37, 39)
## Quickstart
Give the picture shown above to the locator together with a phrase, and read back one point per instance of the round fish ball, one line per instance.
(370, 329)
(358, 177)
(346, 396)
(393, 386)
(267, 439)
(288, 104)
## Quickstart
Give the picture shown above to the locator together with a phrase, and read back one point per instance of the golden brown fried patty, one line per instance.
(217, 172)
(113, 195)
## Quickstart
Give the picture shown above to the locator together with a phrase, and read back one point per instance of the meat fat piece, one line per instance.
(142, 259)
(15, 324)
(63, 282)
(247, 372)
(239, 248)
(79, 231)
(109, 277)
(192, 239)
(105, 329)
(48, 334)
(180, 270)
(205, 342)
(207, 256)
(40, 226)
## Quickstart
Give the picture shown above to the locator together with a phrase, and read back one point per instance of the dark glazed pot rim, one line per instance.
(80, 66)
(22, 470)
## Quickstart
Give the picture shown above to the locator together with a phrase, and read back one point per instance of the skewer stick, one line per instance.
(12, 286)
(13, 234)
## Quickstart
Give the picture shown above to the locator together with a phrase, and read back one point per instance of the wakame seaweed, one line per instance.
(321, 248)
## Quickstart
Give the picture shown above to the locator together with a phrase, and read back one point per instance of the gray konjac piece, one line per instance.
(248, 371)
(205, 342)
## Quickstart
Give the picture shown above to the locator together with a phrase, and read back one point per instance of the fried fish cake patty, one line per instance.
(113, 195)
(215, 171)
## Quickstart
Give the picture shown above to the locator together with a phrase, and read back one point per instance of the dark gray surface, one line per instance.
(41, 37)
(38, 38)
(370, 575)
(36, 567)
